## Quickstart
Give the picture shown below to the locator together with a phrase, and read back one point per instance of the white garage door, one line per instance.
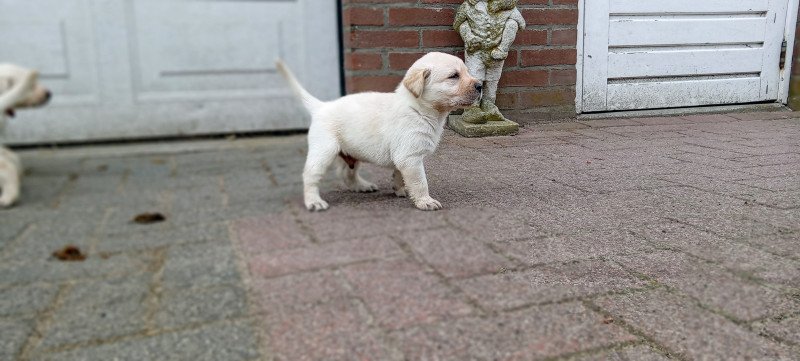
(646, 54)
(151, 68)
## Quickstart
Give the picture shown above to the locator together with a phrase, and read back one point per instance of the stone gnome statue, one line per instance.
(488, 27)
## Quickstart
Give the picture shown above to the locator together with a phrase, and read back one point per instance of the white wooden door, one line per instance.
(154, 68)
(648, 54)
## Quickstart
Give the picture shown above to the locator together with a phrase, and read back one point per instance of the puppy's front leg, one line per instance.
(417, 185)
(10, 187)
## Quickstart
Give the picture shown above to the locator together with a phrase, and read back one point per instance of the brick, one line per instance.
(549, 57)
(297, 293)
(692, 332)
(362, 16)
(24, 300)
(531, 37)
(197, 306)
(711, 285)
(546, 97)
(526, 78)
(99, 310)
(783, 328)
(575, 247)
(332, 331)
(563, 77)
(421, 16)
(52, 271)
(564, 37)
(383, 39)
(339, 230)
(491, 225)
(200, 265)
(315, 257)
(221, 341)
(507, 100)
(403, 61)
(400, 294)
(783, 244)
(13, 335)
(363, 61)
(270, 233)
(533, 333)
(638, 352)
(550, 16)
(708, 118)
(454, 253)
(512, 60)
(441, 38)
(380, 83)
(549, 283)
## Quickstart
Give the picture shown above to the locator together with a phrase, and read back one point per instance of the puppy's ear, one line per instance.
(415, 81)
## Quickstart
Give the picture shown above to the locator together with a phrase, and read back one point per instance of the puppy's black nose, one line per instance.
(48, 95)
(478, 87)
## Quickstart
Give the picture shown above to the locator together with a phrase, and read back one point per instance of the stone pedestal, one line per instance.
(488, 129)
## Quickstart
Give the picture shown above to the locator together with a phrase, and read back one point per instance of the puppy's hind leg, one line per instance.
(398, 185)
(321, 153)
(351, 177)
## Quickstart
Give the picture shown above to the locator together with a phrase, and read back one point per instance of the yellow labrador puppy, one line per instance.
(18, 89)
(396, 130)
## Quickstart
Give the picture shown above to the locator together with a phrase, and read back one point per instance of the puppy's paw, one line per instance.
(317, 205)
(428, 204)
(364, 187)
(400, 192)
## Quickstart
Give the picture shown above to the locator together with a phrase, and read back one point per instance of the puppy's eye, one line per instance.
(454, 76)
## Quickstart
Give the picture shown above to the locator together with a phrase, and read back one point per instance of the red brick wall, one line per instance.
(383, 37)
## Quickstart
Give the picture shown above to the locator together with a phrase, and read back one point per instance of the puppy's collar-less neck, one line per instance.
(432, 121)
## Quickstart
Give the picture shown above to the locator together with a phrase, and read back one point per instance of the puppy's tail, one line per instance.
(309, 101)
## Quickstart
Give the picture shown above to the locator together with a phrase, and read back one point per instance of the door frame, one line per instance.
(784, 76)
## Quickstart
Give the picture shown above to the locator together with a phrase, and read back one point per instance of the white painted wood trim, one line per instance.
(596, 56)
(579, 63)
(774, 35)
(789, 36)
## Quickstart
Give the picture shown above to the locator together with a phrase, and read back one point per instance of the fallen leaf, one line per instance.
(149, 218)
(69, 253)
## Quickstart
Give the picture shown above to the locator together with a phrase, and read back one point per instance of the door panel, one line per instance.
(659, 30)
(623, 63)
(153, 68)
(647, 54)
(59, 43)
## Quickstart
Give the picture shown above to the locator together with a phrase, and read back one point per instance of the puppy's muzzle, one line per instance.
(478, 92)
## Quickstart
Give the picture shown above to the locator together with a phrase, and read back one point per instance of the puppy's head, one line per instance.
(32, 93)
(442, 82)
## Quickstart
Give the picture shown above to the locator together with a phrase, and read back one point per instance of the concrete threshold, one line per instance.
(719, 109)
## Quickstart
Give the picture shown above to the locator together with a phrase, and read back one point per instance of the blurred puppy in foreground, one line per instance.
(18, 89)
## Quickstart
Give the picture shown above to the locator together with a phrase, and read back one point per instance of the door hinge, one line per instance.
(783, 53)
